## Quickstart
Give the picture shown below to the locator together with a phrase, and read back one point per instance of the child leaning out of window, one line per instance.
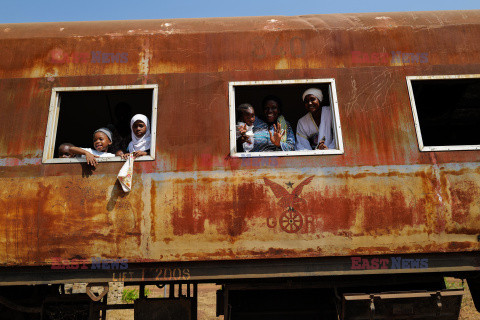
(102, 139)
(141, 140)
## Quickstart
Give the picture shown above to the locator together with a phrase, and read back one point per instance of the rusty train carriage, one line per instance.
(196, 208)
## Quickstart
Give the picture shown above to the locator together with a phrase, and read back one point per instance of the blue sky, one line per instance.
(13, 11)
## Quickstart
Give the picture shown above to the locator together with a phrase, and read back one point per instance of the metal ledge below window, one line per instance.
(286, 153)
(450, 148)
(99, 160)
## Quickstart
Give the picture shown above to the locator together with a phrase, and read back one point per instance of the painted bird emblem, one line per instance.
(288, 199)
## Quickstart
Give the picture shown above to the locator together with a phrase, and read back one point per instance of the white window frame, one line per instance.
(335, 114)
(52, 124)
(421, 146)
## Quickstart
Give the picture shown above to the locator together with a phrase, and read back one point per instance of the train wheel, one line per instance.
(291, 221)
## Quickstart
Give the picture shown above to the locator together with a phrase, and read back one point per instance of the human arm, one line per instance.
(88, 155)
(241, 129)
(276, 135)
(242, 134)
(137, 154)
(302, 142)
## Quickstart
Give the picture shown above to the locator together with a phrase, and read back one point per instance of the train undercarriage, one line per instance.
(397, 296)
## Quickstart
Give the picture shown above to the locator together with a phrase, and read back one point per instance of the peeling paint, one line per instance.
(194, 202)
(14, 162)
(144, 62)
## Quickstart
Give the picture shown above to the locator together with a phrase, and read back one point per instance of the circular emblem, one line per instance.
(291, 221)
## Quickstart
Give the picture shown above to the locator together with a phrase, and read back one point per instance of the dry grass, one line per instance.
(207, 301)
(206, 304)
(468, 311)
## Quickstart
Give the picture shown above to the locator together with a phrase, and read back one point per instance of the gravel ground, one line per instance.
(207, 298)
(468, 311)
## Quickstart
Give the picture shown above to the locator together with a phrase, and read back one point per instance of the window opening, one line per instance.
(75, 113)
(446, 111)
(289, 92)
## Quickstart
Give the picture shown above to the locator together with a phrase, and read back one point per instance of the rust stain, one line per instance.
(195, 202)
(463, 197)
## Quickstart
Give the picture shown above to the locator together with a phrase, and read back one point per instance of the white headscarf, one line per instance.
(315, 92)
(143, 143)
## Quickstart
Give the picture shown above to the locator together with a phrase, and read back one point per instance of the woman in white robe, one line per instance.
(311, 136)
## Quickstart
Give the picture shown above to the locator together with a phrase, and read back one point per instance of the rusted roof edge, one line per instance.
(120, 28)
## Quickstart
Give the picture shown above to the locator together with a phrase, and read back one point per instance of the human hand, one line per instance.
(321, 144)
(245, 138)
(242, 129)
(139, 154)
(91, 159)
(277, 135)
(125, 156)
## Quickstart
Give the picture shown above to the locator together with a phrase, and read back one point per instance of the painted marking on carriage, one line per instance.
(153, 274)
(394, 58)
(296, 48)
(291, 220)
(59, 56)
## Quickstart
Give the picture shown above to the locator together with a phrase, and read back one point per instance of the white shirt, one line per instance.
(309, 134)
(247, 146)
(97, 153)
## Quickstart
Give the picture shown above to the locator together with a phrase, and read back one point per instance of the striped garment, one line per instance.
(262, 140)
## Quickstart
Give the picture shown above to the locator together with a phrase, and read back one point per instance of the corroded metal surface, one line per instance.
(194, 202)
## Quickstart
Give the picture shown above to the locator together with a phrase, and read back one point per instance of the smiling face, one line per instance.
(248, 116)
(271, 111)
(139, 128)
(312, 104)
(101, 141)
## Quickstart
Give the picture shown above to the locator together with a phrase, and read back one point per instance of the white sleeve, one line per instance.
(333, 144)
(86, 149)
(301, 137)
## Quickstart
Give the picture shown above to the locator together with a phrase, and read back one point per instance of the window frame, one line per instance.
(335, 115)
(54, 111)
(416, 121)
